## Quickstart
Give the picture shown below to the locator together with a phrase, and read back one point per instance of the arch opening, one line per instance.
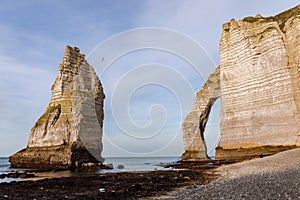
(211, 133)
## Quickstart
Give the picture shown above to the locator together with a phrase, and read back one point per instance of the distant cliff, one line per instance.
(259, 90)
(69, 133)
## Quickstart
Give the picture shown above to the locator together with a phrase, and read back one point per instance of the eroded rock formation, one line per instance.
(260, 89)
(195, 122)
(69, 133)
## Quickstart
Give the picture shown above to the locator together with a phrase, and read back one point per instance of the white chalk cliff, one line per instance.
(69, 133)
(259, 90)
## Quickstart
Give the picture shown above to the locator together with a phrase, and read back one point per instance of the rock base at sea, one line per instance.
(241, 154)
(194, 155)
(51, 158)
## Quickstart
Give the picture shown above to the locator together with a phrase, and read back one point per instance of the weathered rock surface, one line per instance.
(260, 88)
(69, 133)
(194, 124)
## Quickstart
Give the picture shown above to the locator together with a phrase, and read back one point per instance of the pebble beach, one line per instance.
(273, 177)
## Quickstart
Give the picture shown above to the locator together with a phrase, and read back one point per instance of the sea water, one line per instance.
(5, 169)
(4, 165)
(131, 164)
(141, 163)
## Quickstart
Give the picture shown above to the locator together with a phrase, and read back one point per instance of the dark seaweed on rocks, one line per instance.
(126, 185)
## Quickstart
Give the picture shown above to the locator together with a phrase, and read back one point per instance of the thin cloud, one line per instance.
(23, 100)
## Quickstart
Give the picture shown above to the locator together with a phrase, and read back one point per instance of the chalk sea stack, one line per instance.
(259, 89)
(69, 133)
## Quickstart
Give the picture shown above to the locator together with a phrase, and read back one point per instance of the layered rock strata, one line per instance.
(260, 87)
(69, 133)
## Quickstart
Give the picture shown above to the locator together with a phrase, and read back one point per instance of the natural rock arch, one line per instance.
(194, 124)
(258, 81)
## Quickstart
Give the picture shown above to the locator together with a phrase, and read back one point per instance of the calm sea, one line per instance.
(4, 165)
(130, 164)
(141, 163)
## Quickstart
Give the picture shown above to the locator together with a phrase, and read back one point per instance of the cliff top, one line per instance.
(281, 17)
(72, 59)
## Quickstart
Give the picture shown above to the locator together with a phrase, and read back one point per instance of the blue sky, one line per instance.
(34, 34)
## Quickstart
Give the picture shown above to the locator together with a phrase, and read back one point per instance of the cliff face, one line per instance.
(259, 75)
(69, 133)
(260, 86)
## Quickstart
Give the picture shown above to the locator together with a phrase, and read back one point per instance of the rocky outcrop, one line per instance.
(69, 133)
(194, 124)
(260, 87)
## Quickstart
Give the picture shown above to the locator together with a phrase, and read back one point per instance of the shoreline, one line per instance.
(121, 165)
(121, 185)
(276, 176)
